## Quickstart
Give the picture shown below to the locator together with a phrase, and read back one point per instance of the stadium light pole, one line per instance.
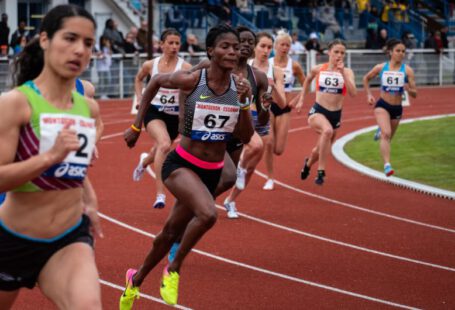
(150, 30)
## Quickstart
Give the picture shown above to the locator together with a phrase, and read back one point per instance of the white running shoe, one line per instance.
(160, 201)
(231, 210)
(269, 185)
(240, 181)
(140, 169)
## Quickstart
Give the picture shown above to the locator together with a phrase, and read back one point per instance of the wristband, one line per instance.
(135, 128)
(245, 108)
(264, 108)
(246, 105)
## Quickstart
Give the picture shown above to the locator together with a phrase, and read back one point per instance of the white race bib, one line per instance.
(214, 122)
(167, 101)
(74, 166)
(331, 82)
(392, 81)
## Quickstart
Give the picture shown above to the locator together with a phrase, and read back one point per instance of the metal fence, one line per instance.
(430, 69)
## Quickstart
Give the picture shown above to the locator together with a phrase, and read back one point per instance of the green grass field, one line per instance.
(422, 151)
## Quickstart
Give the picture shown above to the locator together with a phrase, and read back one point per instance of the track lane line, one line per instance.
(265, 271)
(149, 297)
(329, 240)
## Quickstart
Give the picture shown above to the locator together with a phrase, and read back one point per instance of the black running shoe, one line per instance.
(320, 178)
(305, 171)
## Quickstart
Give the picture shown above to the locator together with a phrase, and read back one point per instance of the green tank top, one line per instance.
(39, 134)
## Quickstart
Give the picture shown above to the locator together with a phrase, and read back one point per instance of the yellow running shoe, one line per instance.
(131, 292)
(169, 289)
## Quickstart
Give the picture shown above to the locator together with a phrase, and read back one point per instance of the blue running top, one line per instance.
(393, 81)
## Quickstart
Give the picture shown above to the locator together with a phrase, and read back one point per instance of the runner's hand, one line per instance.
(130, 136)
(65, 143)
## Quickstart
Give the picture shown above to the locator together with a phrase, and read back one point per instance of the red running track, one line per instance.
(354, 243)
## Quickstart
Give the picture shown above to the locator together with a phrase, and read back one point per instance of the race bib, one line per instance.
(392, 81)
(74, 166)
(214, 122)
(331, 82)
(166, 100)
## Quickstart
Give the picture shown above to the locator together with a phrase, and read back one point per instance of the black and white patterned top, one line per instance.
(209, 117)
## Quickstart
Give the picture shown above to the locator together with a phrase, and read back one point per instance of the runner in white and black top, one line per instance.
(210, 114)
(161, 118)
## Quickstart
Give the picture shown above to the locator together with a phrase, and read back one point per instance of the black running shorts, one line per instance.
(23, 258)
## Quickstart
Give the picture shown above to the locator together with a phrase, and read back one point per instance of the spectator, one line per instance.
(174, 19)
(343, 11)
(434, 41)
(115, 36)
(21, 31)
(191, 45)
(133, 38)
(313, 43)
(130, 43)
(372, 40)
(382, 40)
(297, 47)
(103, 66)
(409, 40)
(246, 8)
(283, 18)
(4, 35)
(142, 39)
(445, 42)
(386, 9)
(326, 18)
(221, 9)
(19, 44)
(363, 7)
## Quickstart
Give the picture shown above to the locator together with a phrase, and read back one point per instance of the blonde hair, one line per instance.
(281, 35)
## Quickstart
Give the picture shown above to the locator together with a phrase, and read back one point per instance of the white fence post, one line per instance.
(441, 70)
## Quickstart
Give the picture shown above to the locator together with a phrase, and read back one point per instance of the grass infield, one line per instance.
(422, 151)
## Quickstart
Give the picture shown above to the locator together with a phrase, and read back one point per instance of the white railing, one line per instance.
(430, 68)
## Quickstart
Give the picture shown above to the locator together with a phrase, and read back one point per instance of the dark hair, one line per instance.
(391, 43)
(262, 34)
(30, 62)
(168, 32)
(215, 32)
(336, 42)
(109, 23)
(241, 29)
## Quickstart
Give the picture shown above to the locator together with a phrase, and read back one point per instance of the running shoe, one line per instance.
(388, 170)
(140, 169)
(269, 185)
(319, 180)
(305, 171)
(173, 251)
(231, 210)
(130, 293)
(377, 134)
(169, 289)
(160, 201)
(241, 175)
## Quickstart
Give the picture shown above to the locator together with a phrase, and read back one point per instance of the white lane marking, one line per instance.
(158, 300)
(348, 245)
(348, 205)
(343, 158)
(321, 238)
(265, 271)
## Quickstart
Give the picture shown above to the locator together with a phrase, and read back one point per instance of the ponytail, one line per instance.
(29, 63)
